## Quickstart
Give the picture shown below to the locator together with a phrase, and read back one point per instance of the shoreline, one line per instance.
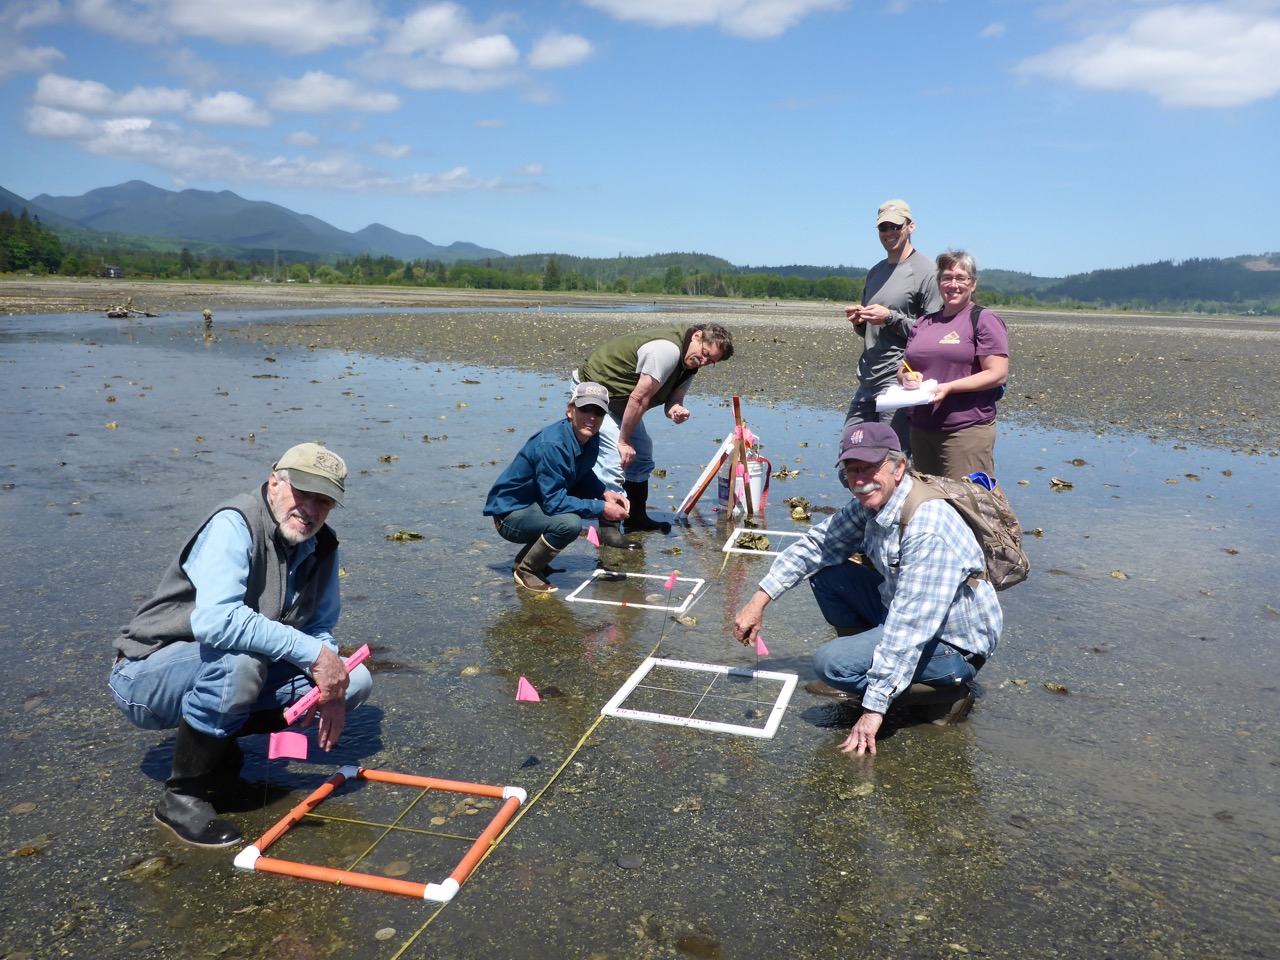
(1210, 382)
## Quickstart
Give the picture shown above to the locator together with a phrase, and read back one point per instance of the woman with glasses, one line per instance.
(965, 348)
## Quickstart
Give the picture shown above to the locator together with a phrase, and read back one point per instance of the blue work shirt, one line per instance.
(554, 471)
(218, 566)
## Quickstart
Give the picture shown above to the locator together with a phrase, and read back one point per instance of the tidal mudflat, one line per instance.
(1112, 795)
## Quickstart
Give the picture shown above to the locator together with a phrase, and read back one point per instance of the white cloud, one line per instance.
(190, 157)
(90, 96)
(186, 63)
(993, 30)
(16, 17)
(391, 151)
(15, 58)
(495, 52)
(491, 124)
(438, 47)
(755, 19)
(229, 108)
(302, 138)
(529, 170)
(320, 92)
(556, 51)
(298, 26)
(1185, 55)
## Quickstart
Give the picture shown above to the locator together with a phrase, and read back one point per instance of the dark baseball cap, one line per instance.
(869, 442)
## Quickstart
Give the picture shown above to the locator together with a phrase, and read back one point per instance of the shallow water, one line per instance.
(1131, 817)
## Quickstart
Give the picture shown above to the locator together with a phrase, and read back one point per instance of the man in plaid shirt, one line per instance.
(913, 619)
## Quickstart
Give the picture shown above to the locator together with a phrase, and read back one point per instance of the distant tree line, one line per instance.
(26, 247)
(1206, 286)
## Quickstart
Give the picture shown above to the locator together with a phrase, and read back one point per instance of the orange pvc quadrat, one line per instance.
(252, 857)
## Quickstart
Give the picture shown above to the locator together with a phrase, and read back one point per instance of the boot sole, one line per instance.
(239, 838)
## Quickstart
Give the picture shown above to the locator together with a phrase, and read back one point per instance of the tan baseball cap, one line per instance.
(315, 469)
(893, 211)
(591, 395)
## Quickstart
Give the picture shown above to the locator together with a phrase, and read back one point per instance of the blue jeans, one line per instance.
(529, 523)
(849, 597)
(609, 461)
(214, 690)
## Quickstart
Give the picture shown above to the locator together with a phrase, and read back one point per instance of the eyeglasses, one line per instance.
(862, 468)
(318, 501)
(707, 361)
(959, 278)
(890, 227)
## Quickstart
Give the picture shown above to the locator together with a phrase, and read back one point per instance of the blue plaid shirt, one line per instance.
(925, 585)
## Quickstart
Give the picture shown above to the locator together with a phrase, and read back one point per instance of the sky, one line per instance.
(1045, 137)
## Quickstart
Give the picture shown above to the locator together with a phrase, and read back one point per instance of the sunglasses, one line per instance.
(890, 227)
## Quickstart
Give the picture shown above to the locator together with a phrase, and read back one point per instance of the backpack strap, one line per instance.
(921, 492)
(975, 310)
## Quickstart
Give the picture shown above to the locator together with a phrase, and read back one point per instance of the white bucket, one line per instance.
(757, 475)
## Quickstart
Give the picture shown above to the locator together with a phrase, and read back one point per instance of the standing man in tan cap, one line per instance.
(240, 627)
(899, 289)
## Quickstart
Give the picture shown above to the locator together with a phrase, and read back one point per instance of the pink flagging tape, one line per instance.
(525, 691)
(287, 745)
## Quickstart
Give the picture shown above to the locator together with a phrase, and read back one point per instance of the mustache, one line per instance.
(871, 487)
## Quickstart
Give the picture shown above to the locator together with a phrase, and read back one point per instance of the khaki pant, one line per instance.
(956, 454)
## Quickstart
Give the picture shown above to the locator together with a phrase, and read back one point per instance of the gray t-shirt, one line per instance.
(910, 290)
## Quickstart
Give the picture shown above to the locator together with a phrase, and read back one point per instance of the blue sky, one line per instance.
(1051, 137)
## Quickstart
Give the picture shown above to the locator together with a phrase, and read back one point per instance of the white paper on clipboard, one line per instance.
(896, 396)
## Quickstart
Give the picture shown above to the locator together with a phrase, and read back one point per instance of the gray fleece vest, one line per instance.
(166, 617)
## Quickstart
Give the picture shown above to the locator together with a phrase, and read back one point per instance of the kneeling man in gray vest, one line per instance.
(241, 627)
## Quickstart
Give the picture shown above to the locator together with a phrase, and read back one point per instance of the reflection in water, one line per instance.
(1130, 817)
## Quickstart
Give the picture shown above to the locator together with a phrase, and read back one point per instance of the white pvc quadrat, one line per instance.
(615, 708)
(731, 545)
(619, 575)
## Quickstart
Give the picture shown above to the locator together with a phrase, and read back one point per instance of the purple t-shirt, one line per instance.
(942, 348)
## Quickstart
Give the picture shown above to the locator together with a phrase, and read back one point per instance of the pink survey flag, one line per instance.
(761, 649)
(287, 745)
(525, 691)
(671, 580)
(593, 538)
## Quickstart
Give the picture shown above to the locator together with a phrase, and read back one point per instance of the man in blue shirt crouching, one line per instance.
(240, 627)
(550, 487)
(914, 617)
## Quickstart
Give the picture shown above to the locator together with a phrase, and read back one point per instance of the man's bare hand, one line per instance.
(329, 674)
(677, 413)
(333, 717)
(862, 738)
(746, 625)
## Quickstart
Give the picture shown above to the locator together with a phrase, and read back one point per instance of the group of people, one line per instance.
(241, 624)
(914, 617)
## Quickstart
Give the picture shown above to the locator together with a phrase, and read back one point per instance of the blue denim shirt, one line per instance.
(926, 587)
(218, 565)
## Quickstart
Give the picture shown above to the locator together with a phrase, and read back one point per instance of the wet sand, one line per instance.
(1131, 816)
(1210, 381)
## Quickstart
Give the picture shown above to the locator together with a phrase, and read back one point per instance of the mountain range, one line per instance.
(228, 223)
(138, 215)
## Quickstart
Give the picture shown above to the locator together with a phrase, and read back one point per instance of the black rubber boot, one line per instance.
(185, 808)
(639, 521)
(530, 570)
(611, 536)
(941, 706)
